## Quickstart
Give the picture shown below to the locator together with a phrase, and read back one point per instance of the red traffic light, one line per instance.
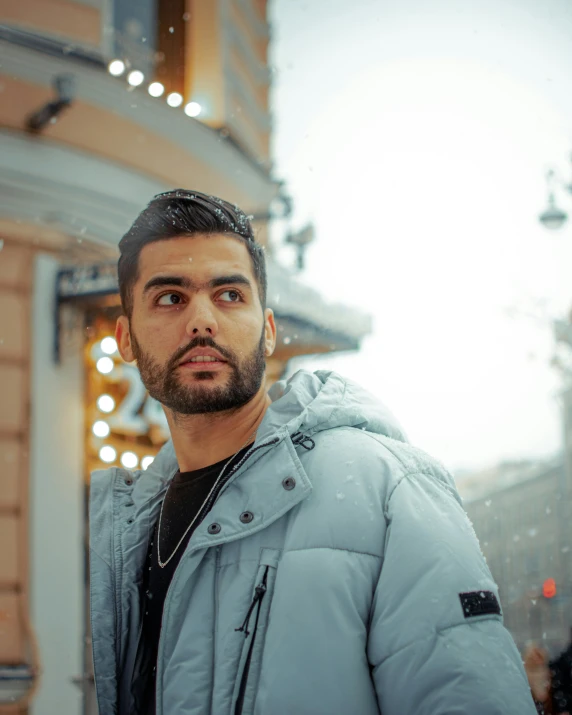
(549, 588)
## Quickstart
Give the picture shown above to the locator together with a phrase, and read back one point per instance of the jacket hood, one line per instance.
(309, 403)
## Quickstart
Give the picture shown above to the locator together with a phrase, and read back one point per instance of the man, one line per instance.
(285, 554)
(550, 680)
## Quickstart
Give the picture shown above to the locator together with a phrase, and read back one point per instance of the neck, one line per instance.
(202, 440)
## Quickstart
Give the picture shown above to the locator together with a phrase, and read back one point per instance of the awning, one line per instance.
(306, 322)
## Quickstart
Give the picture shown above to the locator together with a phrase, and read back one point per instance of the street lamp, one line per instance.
(553, 218)
(301, 239)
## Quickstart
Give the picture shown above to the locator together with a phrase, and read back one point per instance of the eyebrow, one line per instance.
(187, 283)
(234, 279)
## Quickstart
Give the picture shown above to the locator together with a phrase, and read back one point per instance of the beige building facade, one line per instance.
(81, 152)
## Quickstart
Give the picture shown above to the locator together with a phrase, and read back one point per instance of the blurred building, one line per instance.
(520, 512)
(562, 362)
(104, 104)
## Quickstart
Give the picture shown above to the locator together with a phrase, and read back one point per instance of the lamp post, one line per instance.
(553, 217)
(281, 208)
(301, 239)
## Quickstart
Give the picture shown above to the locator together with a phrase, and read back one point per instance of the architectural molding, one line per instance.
(260, 71)
(254, 20)
(69, 191)
(99, 89)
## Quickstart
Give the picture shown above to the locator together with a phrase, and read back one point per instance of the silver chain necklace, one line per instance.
(162, 564)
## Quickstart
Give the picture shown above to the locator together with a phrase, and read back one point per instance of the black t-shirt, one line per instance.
(186, 494)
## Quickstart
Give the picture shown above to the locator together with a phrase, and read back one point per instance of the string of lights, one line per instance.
(114, 410)
(135, 78)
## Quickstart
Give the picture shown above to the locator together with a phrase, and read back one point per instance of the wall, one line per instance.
(15, 279)
(57, 505)
(61, 19)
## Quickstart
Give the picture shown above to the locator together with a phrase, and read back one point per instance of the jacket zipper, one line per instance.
(297, 439)
(256, 603)
(206, 508)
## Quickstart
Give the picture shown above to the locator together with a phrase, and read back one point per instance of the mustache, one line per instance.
(201, 343)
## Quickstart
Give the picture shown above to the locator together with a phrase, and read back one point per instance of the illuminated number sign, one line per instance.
(125, 424)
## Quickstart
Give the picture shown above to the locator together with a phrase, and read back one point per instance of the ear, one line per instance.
(123, 338)
(269, 332)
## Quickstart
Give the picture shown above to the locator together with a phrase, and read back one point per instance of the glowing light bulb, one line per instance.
(147, 461)
(104, 365)
(105, 403)
(129, 460)
(156, 89)
(135, 78)
(116, 68)
(100, 428)
(107, 454)
(193, 109)
(109, 346)
(175, 99)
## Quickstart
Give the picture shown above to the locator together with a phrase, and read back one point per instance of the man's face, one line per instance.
(198, 331)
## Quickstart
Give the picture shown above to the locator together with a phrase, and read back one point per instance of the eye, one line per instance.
(234, 296)
(171, 299)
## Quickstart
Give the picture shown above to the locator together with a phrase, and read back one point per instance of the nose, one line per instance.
(201, 319)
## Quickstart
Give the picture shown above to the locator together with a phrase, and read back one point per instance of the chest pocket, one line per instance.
(253, 629)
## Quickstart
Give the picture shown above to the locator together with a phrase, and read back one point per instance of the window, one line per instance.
(134, 23)
(171, 40)
(151, 36)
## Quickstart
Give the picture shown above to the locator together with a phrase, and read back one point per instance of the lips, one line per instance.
(202, 356)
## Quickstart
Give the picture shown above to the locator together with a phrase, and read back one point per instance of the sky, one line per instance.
(415, 136)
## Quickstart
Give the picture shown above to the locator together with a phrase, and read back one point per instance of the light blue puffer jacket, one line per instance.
(359, 549)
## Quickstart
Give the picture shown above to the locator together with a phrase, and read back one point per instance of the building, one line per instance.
(520, 515)
(104, 104)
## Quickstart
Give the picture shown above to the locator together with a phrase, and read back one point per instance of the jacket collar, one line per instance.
(306, 403)
(279, 423)
(270, 483)
(258, 486)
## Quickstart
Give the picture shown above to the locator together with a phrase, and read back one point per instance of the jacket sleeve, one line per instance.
(436, 645)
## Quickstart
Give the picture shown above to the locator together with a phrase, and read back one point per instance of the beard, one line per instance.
(164, 385)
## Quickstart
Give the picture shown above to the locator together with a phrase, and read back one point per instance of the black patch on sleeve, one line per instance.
(479, 603)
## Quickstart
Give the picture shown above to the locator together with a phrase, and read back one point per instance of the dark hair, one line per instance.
(177, 213)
